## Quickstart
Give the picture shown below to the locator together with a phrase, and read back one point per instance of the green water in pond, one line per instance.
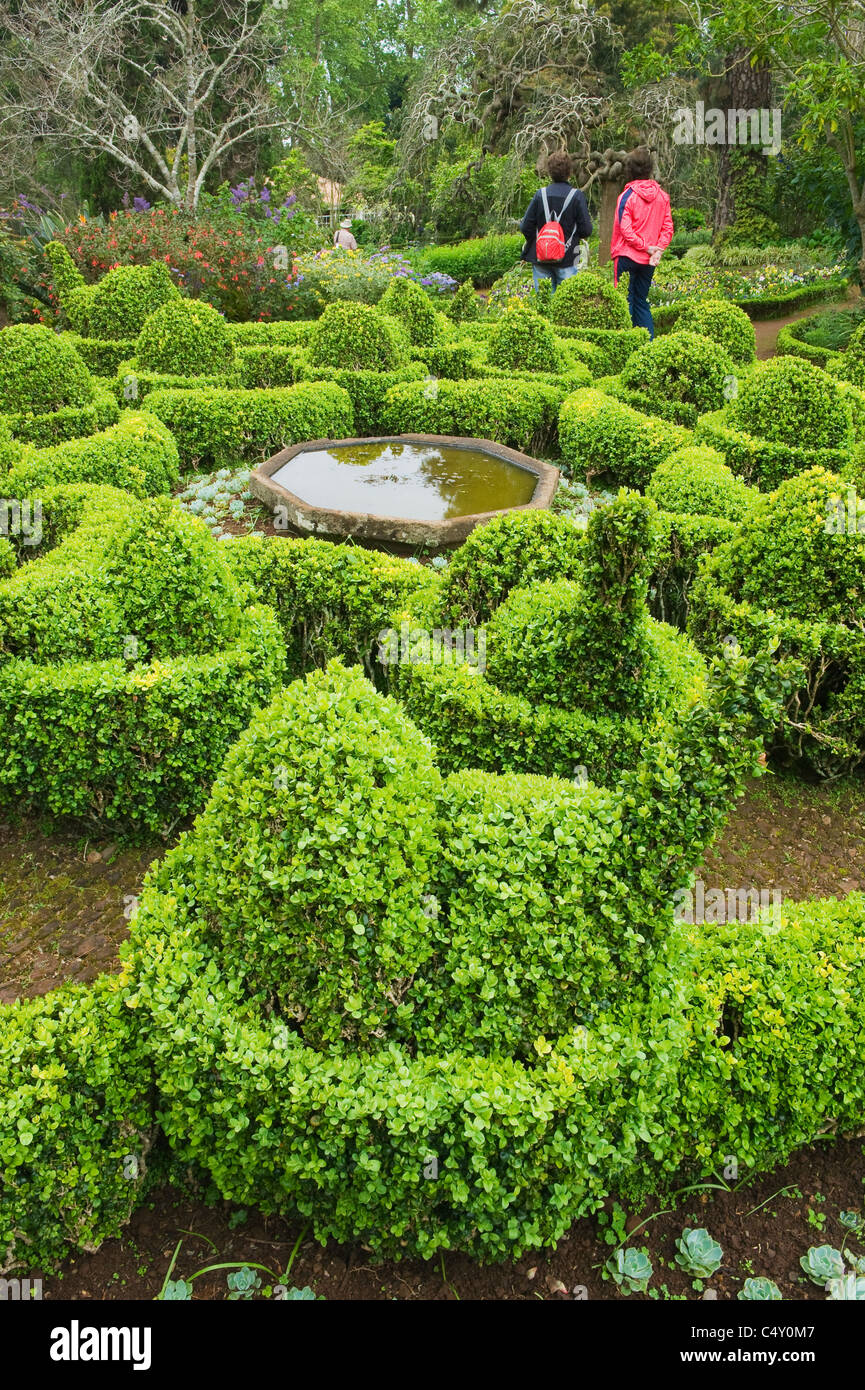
(421, 482)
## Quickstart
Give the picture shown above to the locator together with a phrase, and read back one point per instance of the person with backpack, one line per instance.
(556, 221)
(642, 231)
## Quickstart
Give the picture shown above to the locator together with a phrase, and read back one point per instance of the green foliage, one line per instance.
(331, 937)
(615, 345)
(171, 581)
(514, 549)
(722, 322)
(76, 1123)
(367, 390)
(789, 401)
(464, 306)
(598, 434)
(356, 337)
(681, 367)
(65, 275)
(589, 644)
(103, 355)
(697, 481)
(122, 300)
(515, 413)
(214, 426)
(588, 300)
(40, 372)
(405, 301)
(138, 453)
(697, 1253)
(98, 730)
(185, 336)
(852, 365)
(522, 339)
(480, 259)
(630, 1268)
(330, 600)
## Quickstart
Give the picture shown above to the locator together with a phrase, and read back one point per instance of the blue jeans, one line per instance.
(639, 280)
(556, 273)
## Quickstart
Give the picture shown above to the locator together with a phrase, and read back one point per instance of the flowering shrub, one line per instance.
(244, 271)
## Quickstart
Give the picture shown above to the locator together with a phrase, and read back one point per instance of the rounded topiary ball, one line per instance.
(405, 301)
(790, 401)
(586, 300)
(40, 371)
(724, 323)
(172, 583)
(697, 481)
(122, 299)
(356, 337)
(522, 340)
(681, 367)
(313, 857)
(186, 338)
(797, 553)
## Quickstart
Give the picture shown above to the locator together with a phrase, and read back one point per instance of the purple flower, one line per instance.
(140, 205)
(264, 195)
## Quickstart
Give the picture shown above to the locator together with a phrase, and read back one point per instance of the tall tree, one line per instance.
(163, 90)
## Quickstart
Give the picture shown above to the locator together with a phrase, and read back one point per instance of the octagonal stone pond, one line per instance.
(406, 489)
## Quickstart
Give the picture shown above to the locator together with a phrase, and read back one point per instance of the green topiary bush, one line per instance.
(464, 306)
(851, 366)
(121, 301)
(40, 372)
(186, 337)
(129, 662)
(792, 402)
(326, 936)
(367, 391)
(793, 575)
(511, 550)
(588, 300)
(681, 367)
(406, 301)
(524, 340)
(697, 481)
(598, 434)
(517, 413)
(722, 322)
(612, 346)
(76, 1123)
(357, 337)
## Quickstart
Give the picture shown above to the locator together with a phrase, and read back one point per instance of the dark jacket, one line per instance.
(576, 222)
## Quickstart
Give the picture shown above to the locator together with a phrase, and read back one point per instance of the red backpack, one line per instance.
(550, 245)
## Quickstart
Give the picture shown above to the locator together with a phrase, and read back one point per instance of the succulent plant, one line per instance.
(849, 1288)
(760, 1290)
(697, 1253)
(853, 1220)
(631, 1269)
(822, 1263)
(242, 1283)
(177, 1291)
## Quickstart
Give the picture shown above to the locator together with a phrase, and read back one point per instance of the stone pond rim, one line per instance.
(369, 526)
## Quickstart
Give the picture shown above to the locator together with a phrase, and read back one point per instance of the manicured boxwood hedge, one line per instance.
(598, 434)
(367, 390)
(130, 663)
(793, 575)
(520, 414)
(138, 454)
(616, 344)
(480, 259)
(212, 425)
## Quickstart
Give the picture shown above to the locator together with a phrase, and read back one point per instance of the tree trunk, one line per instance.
(748, 88)
(610, 190)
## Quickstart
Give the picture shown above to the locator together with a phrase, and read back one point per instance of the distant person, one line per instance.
(344, 236)
(642, 231)
(556, 222)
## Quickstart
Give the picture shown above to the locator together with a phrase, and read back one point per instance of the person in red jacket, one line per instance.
(642, 230)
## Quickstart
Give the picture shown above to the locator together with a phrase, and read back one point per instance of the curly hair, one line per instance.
(559, 166)
(640, 163)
